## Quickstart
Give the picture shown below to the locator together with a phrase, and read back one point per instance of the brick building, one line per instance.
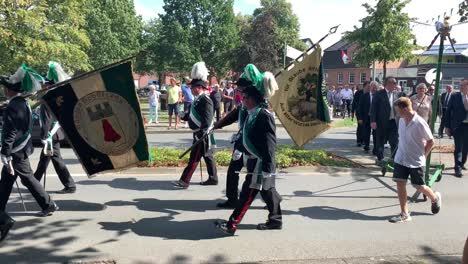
(338, 73)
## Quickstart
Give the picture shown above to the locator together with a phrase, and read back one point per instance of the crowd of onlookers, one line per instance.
(372, 105)
(224, 95)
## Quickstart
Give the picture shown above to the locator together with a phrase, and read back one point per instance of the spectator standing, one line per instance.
(215, 96)
(337, 101)
(421, 102)
(456, 124)
(153, 99)
(347, 97)
(237, 96)
(174, 97)
(228, 98)
(187, 96)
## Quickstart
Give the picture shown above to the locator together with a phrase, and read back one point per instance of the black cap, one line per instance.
(15, 87)
(198, 82)
(242, 83)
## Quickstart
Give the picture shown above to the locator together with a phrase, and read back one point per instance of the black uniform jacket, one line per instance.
(17, 122)
(262, 134)
(46, 125)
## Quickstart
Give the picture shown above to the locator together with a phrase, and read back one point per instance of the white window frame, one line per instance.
(361, 80)
(349, 77)
(340, 78)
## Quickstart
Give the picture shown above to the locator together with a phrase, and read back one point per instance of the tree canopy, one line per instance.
(36, 31)
(385, 34)
(463, 11)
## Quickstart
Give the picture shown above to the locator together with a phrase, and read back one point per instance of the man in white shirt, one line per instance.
(416, 142)
(347, 97)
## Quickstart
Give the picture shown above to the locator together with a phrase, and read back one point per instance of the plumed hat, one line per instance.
(24, 80)
(56, 72)
(199, 74)
(265, 83)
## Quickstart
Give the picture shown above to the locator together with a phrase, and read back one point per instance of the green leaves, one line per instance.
(36, 31)
(385, 34)
(463, 11)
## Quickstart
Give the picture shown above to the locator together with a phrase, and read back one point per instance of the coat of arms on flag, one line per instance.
(100, 114)
(300, 102)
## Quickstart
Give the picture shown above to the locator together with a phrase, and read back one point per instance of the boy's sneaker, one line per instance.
(401, 218)
(435, 207)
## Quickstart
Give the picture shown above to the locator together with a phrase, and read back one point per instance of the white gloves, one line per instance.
(236, 155)
(48, 148)
(5, 160)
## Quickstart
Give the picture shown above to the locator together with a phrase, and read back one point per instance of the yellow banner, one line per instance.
(299, 103)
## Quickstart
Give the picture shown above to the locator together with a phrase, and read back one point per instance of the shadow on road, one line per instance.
(333, 213)
(132, 184)
(44, 252)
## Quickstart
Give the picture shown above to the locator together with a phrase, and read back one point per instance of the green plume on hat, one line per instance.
(56, 72)
(30, 79)
(265, 82)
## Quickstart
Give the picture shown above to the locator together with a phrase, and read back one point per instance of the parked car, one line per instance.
(36, 132)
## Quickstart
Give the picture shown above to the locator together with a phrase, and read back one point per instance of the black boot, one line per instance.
(6, 223)
(227, 204)
(225, 227)
(209, 182)
(270, 225)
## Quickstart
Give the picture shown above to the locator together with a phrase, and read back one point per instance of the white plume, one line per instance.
(269, 84)
(61, 74)
(199, 71)
(18, 76)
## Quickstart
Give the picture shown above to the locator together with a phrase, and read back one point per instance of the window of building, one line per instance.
(351, 77)
(326, 76)
(449, 60)
(340, 78)
(363, 78)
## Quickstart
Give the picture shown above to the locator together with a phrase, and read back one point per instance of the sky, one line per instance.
(316, 17)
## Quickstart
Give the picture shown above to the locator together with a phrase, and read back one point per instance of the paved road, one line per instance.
(331, 216)
(327, 214)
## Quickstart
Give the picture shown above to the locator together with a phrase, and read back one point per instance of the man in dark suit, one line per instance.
(200, 120)
(356, 99)
(51, 134)
(456, 124)
(383, 117)
(443, 103)
(259, 142)
(363, 115)
(16, 148)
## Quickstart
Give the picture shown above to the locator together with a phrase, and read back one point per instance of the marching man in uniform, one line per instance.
(239, 114)
(200, 119)
(51, 134)
(259, 142)
(17, 146)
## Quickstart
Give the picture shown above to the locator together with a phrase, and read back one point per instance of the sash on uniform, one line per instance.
(257, 177)
(196, 118)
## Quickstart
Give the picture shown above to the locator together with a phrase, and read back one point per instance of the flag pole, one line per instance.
(284, 55)
(330, 32)
(81, 76)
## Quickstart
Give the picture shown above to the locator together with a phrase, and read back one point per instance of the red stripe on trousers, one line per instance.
(194, 166)
(244, 209)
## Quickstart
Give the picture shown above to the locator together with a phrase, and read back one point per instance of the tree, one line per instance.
(385, 34)
(36, 31)
(242, 52)
(114, 30)
(277, 25)
(463, 11)
(190, 31)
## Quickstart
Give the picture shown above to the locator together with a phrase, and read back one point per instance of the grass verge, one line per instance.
(286, 156)
(347, 122)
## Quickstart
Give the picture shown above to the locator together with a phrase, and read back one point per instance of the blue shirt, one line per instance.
(187, 94)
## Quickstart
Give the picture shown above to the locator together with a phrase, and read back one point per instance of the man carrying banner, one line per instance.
(17, 146)
(259, 141)
(200, 118)
(51, 134)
